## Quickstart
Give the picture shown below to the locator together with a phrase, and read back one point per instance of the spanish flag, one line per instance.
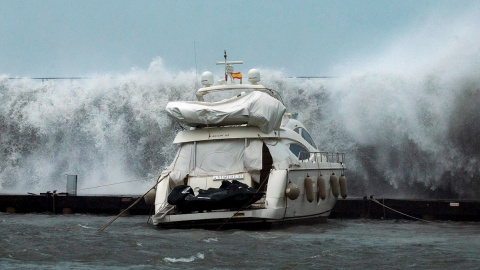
(237, 75)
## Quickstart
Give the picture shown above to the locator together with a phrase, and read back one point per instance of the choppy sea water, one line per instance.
(36, 241)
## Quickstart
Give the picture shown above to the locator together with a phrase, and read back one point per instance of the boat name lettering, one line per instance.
(228, 177)
(219, 135)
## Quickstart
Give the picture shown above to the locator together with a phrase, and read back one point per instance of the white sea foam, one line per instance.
(208, 240)
(407, 117)
(185, 260)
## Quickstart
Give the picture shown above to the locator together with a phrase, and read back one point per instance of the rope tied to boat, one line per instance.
(396, 211)
(134, 203)
(111, 184)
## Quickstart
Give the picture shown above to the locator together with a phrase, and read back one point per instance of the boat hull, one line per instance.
(275, 209)
(249, 219)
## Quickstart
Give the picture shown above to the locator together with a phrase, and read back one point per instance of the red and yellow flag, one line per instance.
(237, 75)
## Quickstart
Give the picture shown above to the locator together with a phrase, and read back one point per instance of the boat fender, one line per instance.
(334, 185)
(292, 191)
(343, 186)
(150, 196)
(309, 189)
(322, 191)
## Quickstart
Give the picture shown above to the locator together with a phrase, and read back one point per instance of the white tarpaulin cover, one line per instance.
(227, 157)
(256, 109)
(182, 163)
(208, 158)
(253, 156)
(282, 157)
(219, 157)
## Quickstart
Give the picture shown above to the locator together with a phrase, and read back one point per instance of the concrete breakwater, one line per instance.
(350, 208)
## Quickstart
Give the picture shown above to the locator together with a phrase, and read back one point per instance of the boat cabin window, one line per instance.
(299, 151)
(306, 136)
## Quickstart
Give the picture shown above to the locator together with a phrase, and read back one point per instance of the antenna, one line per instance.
(228, 65)
(225, 56)
(196, 72)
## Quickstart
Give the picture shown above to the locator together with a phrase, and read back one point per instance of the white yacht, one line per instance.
(244, 161)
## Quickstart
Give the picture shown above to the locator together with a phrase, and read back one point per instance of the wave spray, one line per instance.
(407, 119)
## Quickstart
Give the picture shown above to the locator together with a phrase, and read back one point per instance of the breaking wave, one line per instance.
(103, 129)
(407, 119)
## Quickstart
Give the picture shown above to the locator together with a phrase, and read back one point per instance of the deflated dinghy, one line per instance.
(230, 195)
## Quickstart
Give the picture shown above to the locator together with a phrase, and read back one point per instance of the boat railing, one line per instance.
(321, 156)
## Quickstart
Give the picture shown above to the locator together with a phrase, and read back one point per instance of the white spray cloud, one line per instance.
(391, 112)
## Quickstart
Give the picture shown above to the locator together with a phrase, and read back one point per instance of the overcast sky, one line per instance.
(301, 38)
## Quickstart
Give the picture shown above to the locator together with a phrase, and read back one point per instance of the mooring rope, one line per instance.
(374, 200)
(112, 184)
(121, 213)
